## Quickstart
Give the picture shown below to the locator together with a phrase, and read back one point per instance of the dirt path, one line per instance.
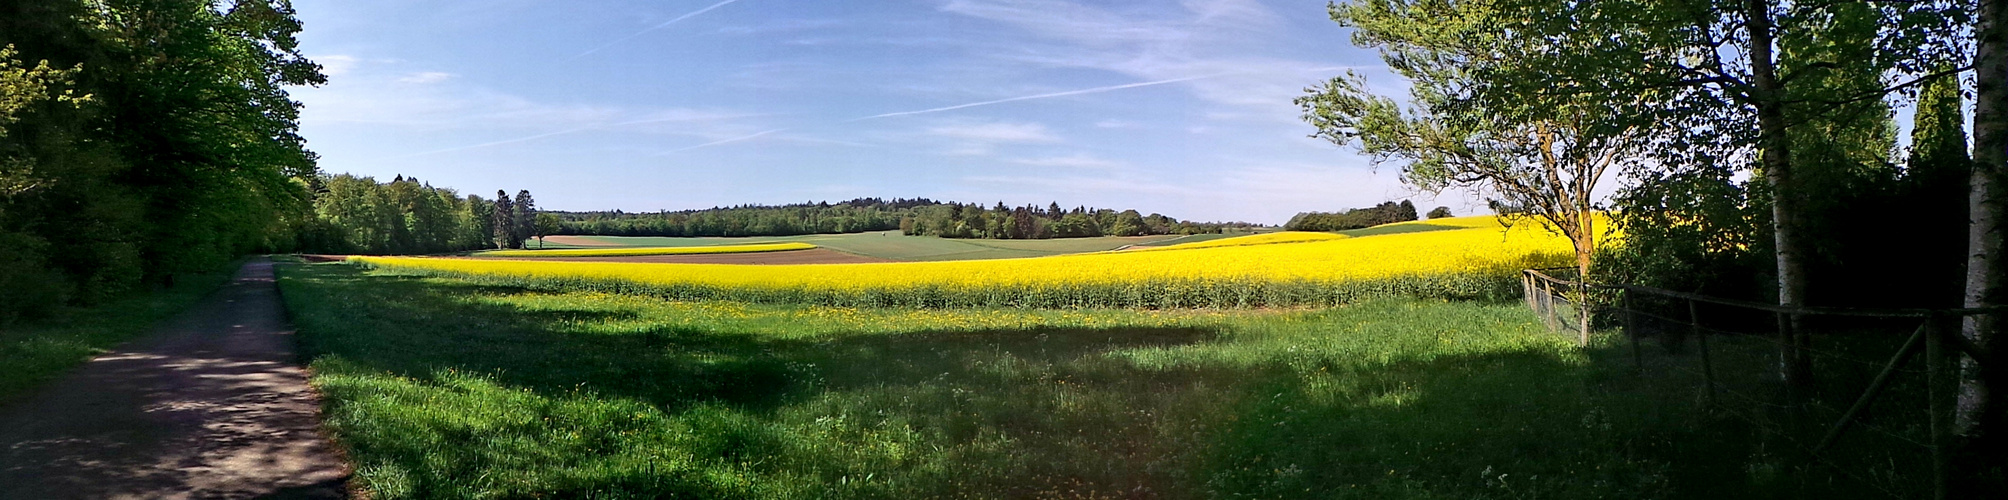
(210, 405)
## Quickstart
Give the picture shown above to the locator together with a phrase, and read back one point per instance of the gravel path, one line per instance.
(211, 404)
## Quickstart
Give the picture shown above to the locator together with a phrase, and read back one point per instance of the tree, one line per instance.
(1935, 183)
(1544, 154)
(525, 217)
(1727, 82)
(186, 156)
(1439, 213)
(547, 224)
(1983, 416)
(1128, 223)
(505, 221)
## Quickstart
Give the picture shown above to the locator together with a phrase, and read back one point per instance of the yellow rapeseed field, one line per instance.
(628, 252)
(1257, 239)
(1467, 263)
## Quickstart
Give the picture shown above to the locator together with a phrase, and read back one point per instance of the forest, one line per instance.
(1384, 213)
(914, 217)
(1032, 222)
(858, 215)
(141, 140)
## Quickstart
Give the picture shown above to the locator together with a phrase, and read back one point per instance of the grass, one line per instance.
(34, 353)
(626, 252)
(443, 388)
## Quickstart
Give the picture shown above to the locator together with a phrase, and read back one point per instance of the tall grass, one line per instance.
(447, 388)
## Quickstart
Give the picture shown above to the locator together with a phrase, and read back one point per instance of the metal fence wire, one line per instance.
(1865, 392)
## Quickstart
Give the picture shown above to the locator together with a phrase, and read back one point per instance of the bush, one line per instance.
(29, 288)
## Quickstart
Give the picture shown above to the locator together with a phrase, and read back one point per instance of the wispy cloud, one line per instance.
(1226, 38)
(427, 77)
(996, 132)
(665, 24)
(1038, 96)
(1072, 161)
(748, 137)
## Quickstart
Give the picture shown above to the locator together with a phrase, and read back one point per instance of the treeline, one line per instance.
(404, 216)
(859, 215)
(956, 220)
(1384, 213)
(916, 216)
(139, 140)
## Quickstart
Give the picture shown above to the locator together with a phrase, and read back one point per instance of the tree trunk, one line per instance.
(1980, 414)
(1775, 148)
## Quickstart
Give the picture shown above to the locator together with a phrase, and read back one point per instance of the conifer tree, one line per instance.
(525, 218)
(505, 221)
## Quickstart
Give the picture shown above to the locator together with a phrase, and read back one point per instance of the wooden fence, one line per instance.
(1820, 398)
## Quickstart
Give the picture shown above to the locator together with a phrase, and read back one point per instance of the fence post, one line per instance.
(1583, 310)
(1903, 355)
(1548, 305)
(1631, 328)
(1941, 425)
(1701, 337)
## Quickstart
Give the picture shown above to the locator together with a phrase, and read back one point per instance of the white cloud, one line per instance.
(337, 64)
(1198, 38)
(424, 78)
(998, 132)
(1072, 161)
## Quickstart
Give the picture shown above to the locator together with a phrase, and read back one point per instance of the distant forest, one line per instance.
(956, 220)
(1384, 213)
(917, 217)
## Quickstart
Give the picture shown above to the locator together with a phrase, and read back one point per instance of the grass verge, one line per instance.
(33, 353)
(444, 388)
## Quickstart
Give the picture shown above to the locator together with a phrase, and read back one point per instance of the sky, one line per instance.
(1175, 107)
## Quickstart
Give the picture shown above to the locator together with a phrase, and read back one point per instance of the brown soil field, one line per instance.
(810, 256)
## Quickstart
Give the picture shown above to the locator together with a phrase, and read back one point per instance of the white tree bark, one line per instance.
(1979, 412)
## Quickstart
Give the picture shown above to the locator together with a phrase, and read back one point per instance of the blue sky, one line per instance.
(1181, 108)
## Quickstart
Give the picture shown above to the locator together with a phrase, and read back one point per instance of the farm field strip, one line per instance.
(1479, 262)
(625, 252)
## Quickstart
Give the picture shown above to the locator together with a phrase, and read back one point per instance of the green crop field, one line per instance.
(442, 388)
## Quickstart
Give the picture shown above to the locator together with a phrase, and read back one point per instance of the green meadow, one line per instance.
(441, 388)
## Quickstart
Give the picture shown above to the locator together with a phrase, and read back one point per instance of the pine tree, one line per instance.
(525, 218)
(505, 221)
(1935, 182)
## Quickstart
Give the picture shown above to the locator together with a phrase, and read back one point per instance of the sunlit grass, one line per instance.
(444, 388)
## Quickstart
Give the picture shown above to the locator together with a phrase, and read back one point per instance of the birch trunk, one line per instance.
(1775, 147)
(1980, 414)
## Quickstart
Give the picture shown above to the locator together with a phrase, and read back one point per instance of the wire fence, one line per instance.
(1866, 393)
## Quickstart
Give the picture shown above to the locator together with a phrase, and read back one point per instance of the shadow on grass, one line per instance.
(421, 327)
(1010, 413)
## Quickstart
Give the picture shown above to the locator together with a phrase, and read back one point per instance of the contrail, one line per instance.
(1041, 96)
(653, 28)
(726, 141)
